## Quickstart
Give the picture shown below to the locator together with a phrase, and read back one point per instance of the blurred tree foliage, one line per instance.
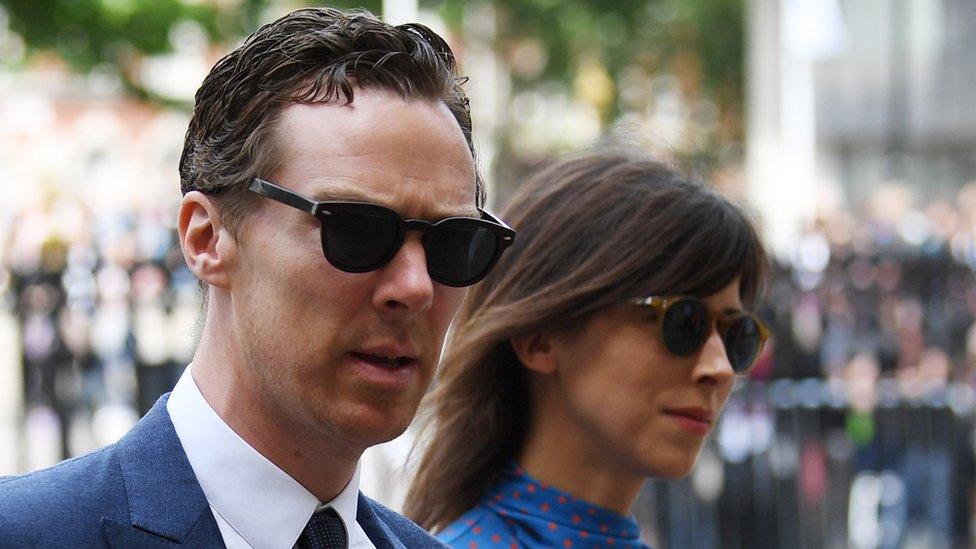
(89, 33)
(699, 41)
(114, 35)
(587, 47)
(591, 46)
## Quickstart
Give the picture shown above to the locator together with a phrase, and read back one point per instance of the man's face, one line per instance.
(317, 341)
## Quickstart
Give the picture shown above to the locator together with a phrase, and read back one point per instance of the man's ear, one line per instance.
(536, 352)
(206, 244)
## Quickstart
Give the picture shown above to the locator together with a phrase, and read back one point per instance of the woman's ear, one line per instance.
(200, 239)
(536, 351)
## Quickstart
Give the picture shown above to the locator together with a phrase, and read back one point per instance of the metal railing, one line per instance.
(803, 464)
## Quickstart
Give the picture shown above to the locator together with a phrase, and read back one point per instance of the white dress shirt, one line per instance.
(256, 504)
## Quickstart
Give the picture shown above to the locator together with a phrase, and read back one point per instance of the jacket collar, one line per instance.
(166, 501)
(165, 498)
(376, 529)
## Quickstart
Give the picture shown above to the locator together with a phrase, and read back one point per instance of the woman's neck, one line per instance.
(561, 456)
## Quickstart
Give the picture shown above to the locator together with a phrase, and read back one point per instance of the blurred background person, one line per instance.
(601, 353)
(845, 127)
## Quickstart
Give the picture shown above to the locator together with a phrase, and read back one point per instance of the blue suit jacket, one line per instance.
(141, 492)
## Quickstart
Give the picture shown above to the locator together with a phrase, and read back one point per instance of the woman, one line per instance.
(599, 353)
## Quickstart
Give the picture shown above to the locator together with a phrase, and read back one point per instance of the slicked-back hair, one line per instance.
(593, 231)
(308, 56)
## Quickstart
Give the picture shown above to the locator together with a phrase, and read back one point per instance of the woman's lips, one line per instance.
(693, 420)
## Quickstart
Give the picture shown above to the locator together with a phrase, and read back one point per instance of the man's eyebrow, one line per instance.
(326, 195)
(467, 213)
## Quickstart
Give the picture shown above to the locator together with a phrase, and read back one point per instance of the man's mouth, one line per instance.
(386, 362)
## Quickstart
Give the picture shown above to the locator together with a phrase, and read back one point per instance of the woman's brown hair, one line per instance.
(593, 231)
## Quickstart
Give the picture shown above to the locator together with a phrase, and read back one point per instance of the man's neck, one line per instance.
(322, 464)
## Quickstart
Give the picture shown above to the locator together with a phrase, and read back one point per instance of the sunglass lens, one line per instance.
(685, 326)
(459, 252)
(361, 239)
(742, 342)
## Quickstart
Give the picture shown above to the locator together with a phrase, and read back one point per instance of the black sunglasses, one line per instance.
(359, 237)
(684, 323)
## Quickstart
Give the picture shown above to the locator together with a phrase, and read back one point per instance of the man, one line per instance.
(324, 134)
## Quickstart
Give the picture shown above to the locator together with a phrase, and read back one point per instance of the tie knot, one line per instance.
(324, 530)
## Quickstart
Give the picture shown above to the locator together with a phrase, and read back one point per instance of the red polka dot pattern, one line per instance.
(521, 512)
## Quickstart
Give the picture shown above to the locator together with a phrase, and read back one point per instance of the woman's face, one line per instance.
(641, 409)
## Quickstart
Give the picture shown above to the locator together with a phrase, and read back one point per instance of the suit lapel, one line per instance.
(166, 503)
(376, 530)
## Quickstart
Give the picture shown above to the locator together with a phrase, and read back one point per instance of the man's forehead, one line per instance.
(408, 155)
(371, 112)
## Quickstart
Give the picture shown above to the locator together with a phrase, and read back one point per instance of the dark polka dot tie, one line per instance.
(323, 531)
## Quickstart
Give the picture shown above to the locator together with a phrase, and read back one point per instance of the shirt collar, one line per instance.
(520, 496)
(346, 504)
(262, 503)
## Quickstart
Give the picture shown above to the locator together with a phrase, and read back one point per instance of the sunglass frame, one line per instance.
(662, 304)
(323, 210)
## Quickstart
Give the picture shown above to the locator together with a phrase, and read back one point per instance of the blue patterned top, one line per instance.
(521, 512)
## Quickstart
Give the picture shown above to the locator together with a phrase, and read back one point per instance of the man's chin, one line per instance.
(372, 424)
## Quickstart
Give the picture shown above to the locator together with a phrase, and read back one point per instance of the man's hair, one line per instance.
(310, 55)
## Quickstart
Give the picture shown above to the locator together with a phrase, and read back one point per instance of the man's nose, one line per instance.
(404, 285)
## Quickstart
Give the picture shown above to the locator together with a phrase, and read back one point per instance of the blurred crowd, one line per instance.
(894, 287)
(106, 309)
(856, 428)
